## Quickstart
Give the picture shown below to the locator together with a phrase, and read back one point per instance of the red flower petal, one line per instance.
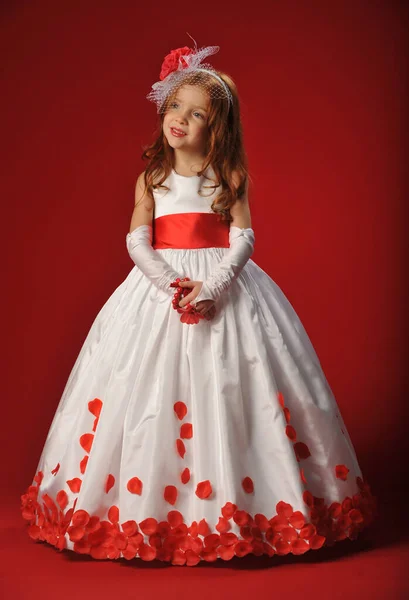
(307, 531)
(135, 486)
(75, 533)
(86, 441)
(180, 446)
(299, 547)
(282, 548)
(179, 557)
(109, 483)
(203, 528)
(341, 472)
(83, 464)
(280, 399)
(287, 414)
(316, 542)
(212, 540)
(335, 510)
(289, 534)
(228, 510)
(308, 498)
(203, 489)
(291, 433)
(175, 518)
(297, 520)
(301, 450)
(228, 539)
(74, 484)
(146, 552)
(248, 485)
(209, 555)
(148, 526)
(223, 525)
(56, 469)
(113, 514)
(62, 499)
(284, 509)
(355, 515)
(226, 552)
(94, 407)
(185, 476)
(241, 517)
(261, 522)
(180, 409)
(170, 494)
(94, 427)
(303, 476)
(242, 548)
(80, 518)
(129, 528)
(39, 477)
(186, 431)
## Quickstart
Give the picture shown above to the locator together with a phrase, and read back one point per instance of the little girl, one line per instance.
(197, 423)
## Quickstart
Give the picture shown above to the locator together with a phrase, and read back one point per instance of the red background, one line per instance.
(323, 91)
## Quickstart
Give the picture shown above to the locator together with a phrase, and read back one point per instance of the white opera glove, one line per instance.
(148, 260)
(229, 268)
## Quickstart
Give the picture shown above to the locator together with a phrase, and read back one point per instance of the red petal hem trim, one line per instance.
(286, 532)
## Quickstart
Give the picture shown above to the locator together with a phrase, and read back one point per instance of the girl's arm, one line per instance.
(139, 242)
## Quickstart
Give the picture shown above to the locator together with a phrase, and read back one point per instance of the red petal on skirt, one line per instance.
(39, 477)
(291, 433)
(129, 528)
(225, 552)
(170, 494)
(317, 541)
(146, 552)
(301, 450)
(228, 510)
(280, 398)
(299, 547)
(86, 441)
(56, 469)
(341, 472)
(80, 518)
(135, 486)
(180, 409)
(308, 498)
(203, 489)
(242, 548)
(248, 485)
(303, 476)
(287, 414)
(113, 514)
(186, 431)
(297, 520)
(223, 525)
(175, 518)
(185, 476)
(62, 499)
(284, 509)
(261, 522)
(94, 407)
(83, 464)
(180, 446)
(203, 528)
(109, 483)
(148, 526)
(74, 484)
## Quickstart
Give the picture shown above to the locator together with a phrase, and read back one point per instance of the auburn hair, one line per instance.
(224, 151)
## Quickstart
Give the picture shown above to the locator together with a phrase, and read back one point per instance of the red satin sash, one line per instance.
(190, 230)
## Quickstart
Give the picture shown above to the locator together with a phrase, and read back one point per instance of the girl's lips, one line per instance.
(177, 132)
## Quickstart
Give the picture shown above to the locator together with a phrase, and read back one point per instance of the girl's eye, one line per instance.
(173, 104)
(200, 115)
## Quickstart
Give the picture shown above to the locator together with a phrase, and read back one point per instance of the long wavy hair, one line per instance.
(224, 151)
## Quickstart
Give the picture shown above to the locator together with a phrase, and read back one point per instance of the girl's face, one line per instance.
(185, 121)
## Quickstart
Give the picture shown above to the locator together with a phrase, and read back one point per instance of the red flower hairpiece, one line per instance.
(172, 61)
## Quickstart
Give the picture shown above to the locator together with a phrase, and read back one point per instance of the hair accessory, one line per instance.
(184, 65)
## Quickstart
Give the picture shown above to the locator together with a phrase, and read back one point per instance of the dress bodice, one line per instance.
(183, 195)
(183, 218)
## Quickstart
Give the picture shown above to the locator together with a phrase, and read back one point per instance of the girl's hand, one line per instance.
(196, 285)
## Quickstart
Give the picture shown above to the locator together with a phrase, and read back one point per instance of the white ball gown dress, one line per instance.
(196, 442)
